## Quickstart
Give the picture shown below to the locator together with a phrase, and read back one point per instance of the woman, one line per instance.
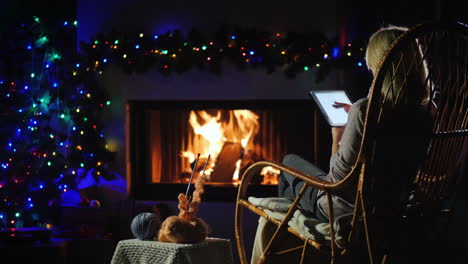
(347, 140)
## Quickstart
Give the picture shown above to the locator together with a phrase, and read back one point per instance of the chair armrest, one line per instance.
(309, 179)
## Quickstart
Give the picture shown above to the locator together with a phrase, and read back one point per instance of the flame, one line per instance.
(270, 175)
(213, 128)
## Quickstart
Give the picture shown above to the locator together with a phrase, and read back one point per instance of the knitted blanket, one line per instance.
(302, 222)
(211, 251)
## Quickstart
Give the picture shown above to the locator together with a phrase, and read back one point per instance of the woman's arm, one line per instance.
(337, 134)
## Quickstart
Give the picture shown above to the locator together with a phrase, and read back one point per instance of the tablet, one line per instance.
(325, 100)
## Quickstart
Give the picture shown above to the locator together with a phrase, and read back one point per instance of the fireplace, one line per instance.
(165, 137)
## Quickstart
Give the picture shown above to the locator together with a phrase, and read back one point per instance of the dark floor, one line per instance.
(453, 249)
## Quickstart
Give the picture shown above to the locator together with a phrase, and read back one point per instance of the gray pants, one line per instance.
(290, 186)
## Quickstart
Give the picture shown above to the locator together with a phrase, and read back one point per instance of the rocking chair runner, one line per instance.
(391, 192)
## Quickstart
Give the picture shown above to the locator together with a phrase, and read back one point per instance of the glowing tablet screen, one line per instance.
(325, 101)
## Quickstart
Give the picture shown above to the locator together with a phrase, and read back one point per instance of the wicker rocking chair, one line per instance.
(393, 194)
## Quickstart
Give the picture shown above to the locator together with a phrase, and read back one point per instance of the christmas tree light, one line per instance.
(38, 147)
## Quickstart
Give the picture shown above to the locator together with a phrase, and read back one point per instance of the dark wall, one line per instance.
(364, 17)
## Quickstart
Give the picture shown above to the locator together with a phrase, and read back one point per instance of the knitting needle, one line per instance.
(204, 167)
(203, 172)
(191, 176)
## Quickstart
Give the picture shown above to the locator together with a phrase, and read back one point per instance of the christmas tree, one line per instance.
(50, 124)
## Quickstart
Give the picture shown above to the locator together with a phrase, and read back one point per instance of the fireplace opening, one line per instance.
(165, 137)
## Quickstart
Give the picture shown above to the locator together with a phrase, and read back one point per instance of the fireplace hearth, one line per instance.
(165, 137)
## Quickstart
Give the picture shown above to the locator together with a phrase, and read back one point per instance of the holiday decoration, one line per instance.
(173, 52)
(50, 123)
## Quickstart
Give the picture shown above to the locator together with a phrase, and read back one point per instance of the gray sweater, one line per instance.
(342, 161)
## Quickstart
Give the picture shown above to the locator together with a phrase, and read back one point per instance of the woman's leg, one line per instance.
(265, 231)
(290, 186)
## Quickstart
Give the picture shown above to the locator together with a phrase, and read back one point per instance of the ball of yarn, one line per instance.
(145, 226)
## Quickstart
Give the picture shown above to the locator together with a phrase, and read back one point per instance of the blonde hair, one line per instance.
(406, 73)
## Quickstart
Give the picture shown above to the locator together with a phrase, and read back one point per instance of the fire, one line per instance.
(215, 131)
(270, 175)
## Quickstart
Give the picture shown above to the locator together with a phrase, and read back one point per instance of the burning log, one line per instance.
(225, 166)
(248, 159)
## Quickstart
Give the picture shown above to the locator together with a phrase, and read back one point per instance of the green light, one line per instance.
(62, 116)
(37, 19)
(185, 43)
(17, 215)
(116, 42)
(56, 56)
(75, 23)
(49, 163)
(96, 42)
(164, 51)
(51, 136)
(306, 68)
(82, 165)
(108, 102)
(203, 47)
(85, 119)
(42, 40)
(53, 56)
(32, 75)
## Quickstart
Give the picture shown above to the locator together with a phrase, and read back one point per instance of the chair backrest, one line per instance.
(417, 120)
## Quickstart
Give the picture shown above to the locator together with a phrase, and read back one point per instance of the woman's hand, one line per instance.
(345, 106)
